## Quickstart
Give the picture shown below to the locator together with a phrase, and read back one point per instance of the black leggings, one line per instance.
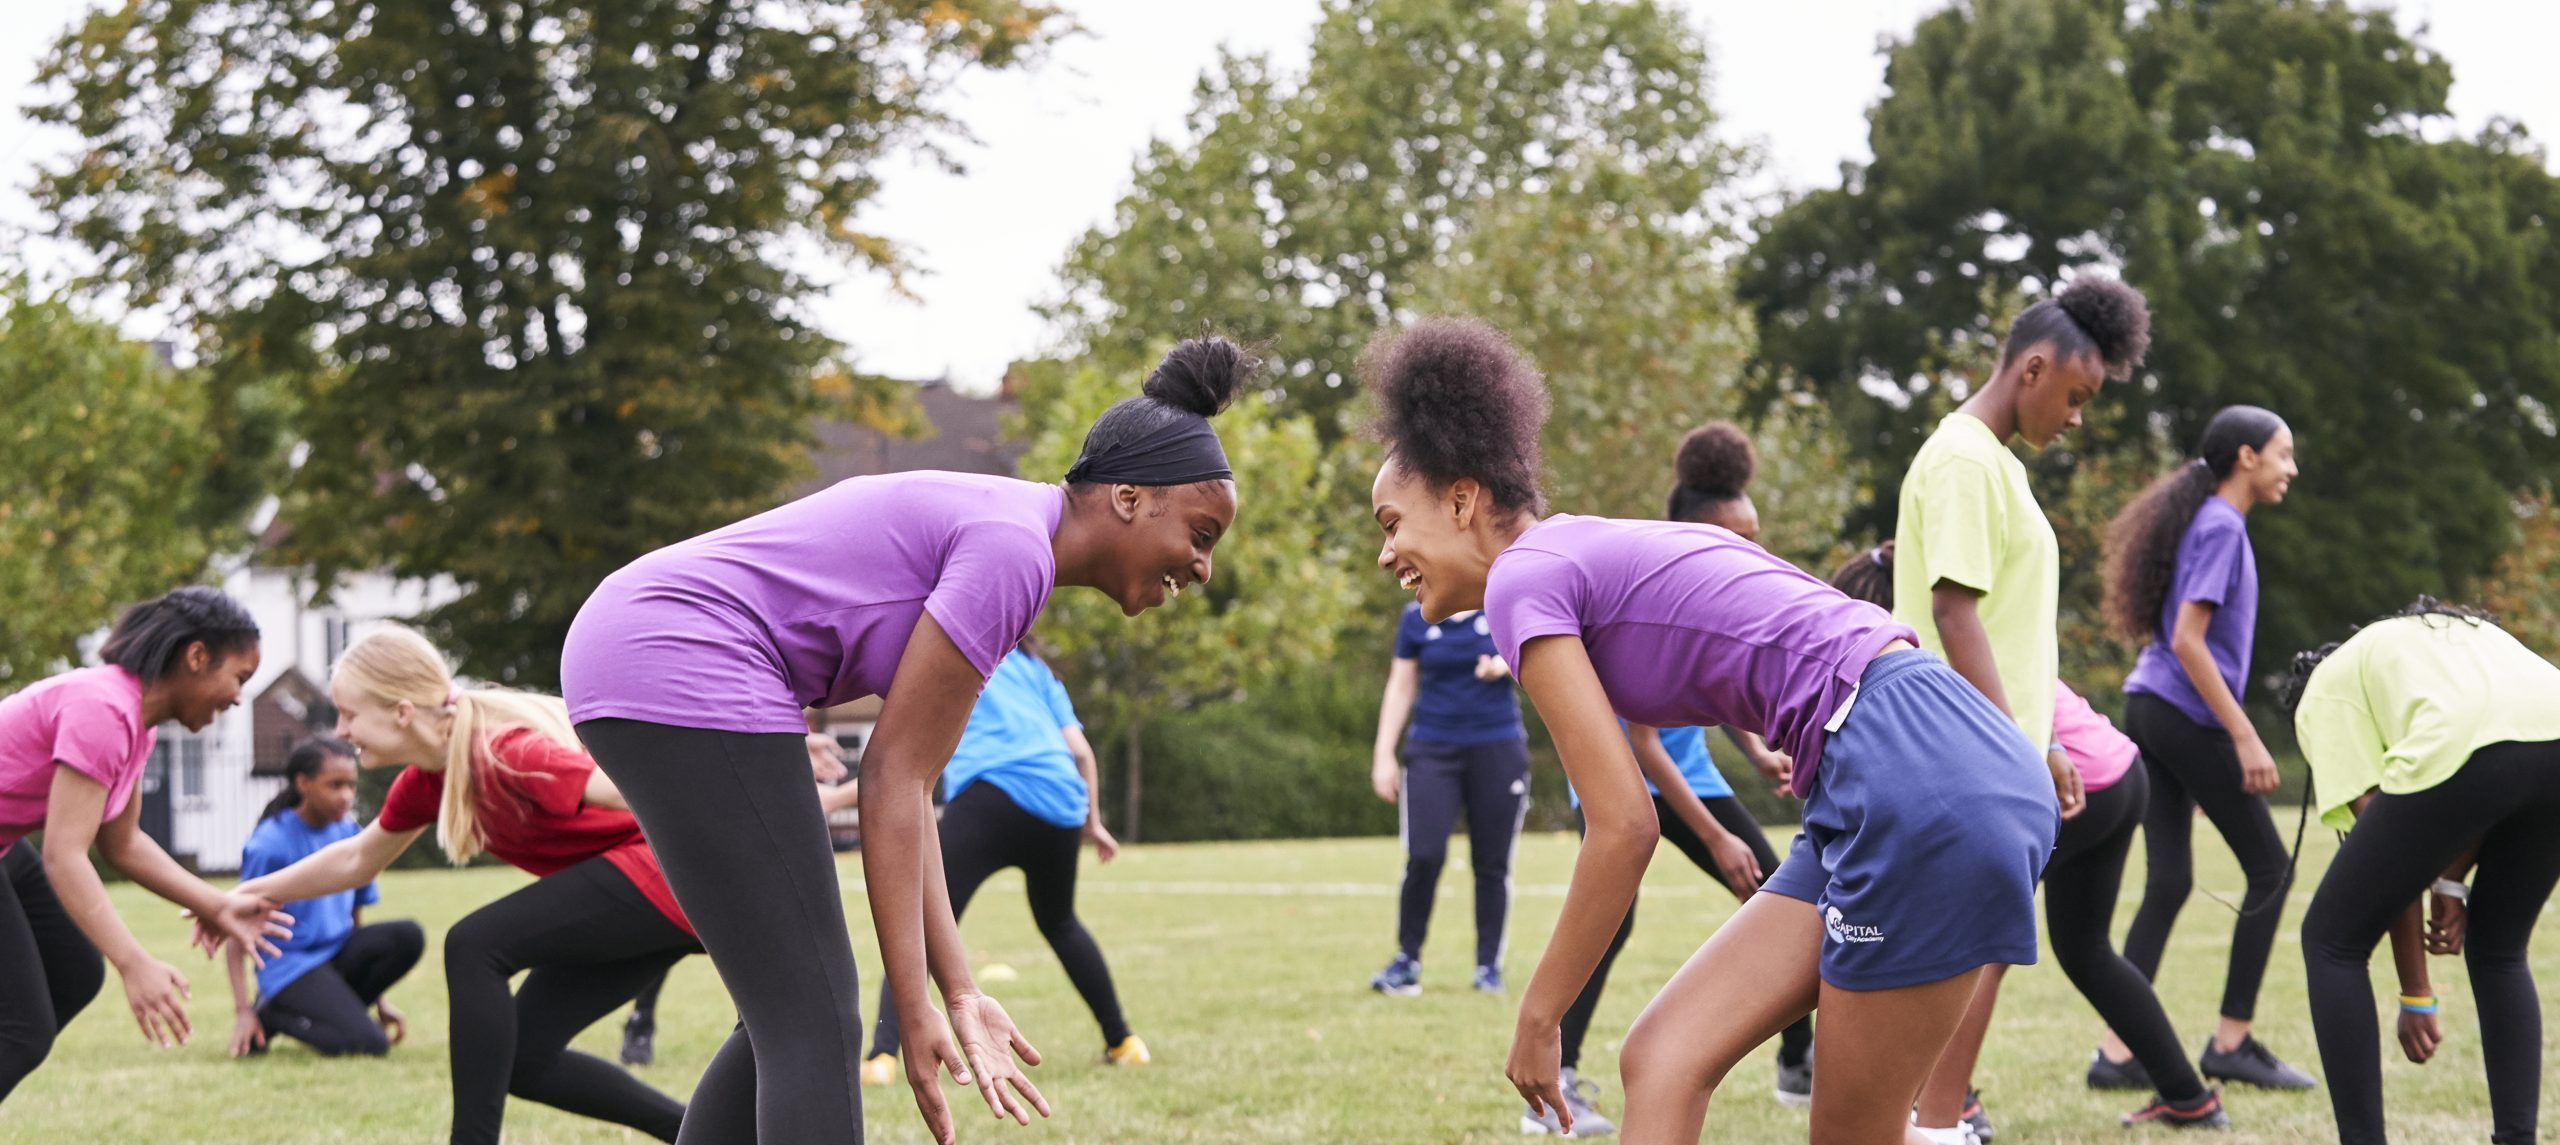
(2507, 798)
(590, 940)
(2080, 885)
(735, 822)
(984, 831)
(1490, 782)
(48, 970)
(2190, 766)
(1796, 1039)
(326, 1006)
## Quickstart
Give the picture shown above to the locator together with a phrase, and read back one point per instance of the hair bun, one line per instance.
(2113, 315)
(1716, 459)
(1201, 375)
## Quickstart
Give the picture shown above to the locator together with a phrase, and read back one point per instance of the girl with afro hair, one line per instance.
(1888, 904)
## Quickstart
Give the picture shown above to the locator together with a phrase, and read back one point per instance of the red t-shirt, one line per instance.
(535, 815)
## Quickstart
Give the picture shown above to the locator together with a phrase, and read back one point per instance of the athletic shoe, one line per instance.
(1402, 977)
(882, 1069)
(2126, 1074)
(639, 1039)
(1795, 1082)
(1958, 1134)
(1132, 1050)
(1974, 1118)
(2207, 1115)
(1488, 980)
(2252, 1064)
(1578, 1095)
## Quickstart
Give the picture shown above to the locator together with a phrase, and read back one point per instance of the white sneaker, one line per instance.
(1578, 1095)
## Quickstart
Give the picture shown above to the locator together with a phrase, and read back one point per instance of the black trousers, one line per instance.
(1793, 1042)
(735, 822)
(984, 831)
(48, 970)
(1490, 783)
(2080, 885)
(2508, 799)
(2191, 766)
(326, 1007)
(586, 940)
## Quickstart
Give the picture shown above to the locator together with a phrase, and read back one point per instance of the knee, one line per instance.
(21, 1052)
(1658, 1058)
(1058, 926)
(404, 936)
(475, 946)
(1425, 862)
(2270, 875)
(366, 1040)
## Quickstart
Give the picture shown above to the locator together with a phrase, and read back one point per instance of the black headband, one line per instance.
(1179, 452)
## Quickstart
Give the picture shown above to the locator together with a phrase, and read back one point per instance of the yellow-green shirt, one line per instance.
(1969, 517)
(2402, 705)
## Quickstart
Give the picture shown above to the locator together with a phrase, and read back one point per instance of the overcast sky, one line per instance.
(1056, 143)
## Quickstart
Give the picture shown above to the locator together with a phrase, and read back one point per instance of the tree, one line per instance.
(2522, 592)
(1284, 583)
(2279, 176)
(527, 266)
(104, 496)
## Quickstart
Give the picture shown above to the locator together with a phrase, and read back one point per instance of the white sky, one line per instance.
(1057, 142)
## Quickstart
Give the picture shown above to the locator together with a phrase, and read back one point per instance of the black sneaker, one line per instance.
(2126, 1074)
(1795, 1081)
(639, 1038)
(2252, 1064)
(1975, 1117)
(2206, 1114)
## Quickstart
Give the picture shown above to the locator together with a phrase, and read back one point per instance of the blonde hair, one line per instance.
(394, 664)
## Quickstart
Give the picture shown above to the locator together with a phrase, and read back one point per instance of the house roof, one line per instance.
(967, 437)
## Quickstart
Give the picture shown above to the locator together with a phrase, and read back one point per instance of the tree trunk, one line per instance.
(1129, 781)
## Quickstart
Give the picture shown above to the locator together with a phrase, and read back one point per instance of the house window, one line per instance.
(334, 636)
(191, 767)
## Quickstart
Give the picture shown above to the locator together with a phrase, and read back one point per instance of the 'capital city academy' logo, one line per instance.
(1840, 931)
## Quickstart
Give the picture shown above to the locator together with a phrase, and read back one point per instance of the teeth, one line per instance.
(1172, 587)
(1408, 579)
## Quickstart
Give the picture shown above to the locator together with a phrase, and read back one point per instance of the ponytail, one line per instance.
(2141, 551)
(307, 759)
(395, 665)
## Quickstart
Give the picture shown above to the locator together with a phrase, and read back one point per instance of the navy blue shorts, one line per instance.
(1930, 819)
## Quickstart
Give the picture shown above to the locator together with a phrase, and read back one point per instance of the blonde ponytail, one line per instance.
(394, 664)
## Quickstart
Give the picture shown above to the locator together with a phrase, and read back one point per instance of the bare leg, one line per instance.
(1942, 1098)
(1873, 1050)
(1755, 976)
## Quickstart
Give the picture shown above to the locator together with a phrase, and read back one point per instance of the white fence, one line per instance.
(212, 801)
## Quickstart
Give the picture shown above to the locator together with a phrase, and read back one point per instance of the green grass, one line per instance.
(1244, 966)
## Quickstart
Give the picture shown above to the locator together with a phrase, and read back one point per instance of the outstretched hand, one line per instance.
(990, 1043)
(251, 921)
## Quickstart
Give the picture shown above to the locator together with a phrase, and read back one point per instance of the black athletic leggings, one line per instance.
(2080, 885)
(1490, 782)
(984, 831)
(2190, 766)
(735, 822)
(2508, 799)
(1796, 1039)
(326, 1007)
(48, 970)
(590, 940)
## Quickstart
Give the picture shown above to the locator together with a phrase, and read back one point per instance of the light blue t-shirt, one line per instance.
(321, 925)
(1688, 748)
(1017, 741)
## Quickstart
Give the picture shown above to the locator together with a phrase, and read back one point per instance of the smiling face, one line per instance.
(2052, 392)
(1163, 541)
(2271, 470)
(327, 795)
(1431, 548)
(386, 735)
(201, 686)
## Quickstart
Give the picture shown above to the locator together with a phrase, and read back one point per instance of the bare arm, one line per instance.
(1404, 680)
(1105, 848)
(1957, 611)
(1772, 764)
(341, 866)
(72, 813)
(1735, 863)
(2257, 767)
(601, 792)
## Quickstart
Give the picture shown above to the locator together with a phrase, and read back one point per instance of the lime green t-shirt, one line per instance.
(2402, 705)
(1968, 517)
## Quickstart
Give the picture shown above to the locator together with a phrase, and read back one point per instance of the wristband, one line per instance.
(2453, 890)
(2056, 748)
(2418, 1003)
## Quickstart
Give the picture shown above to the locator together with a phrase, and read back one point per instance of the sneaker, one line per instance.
(1974, 1118)
(1132, 1050)
(1402, 977)
(1795, 1082)
(882, 1069)
(2252, 1064)
(1488, 980)
(1578, 1095)
(2207, 1115)
(1958, 1134)
(2126, 1074)
(639, 1039)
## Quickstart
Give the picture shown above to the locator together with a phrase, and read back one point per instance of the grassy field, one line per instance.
(1244, 966)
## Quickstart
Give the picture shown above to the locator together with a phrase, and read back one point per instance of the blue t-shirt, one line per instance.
(1452, 706)
(2216, 566)
(1017, 742)
(321, 925)
(1688, 748)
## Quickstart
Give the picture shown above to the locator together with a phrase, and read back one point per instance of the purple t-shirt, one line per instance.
(2217, 567)
(87, 719)
(1690, 625)
(811, 604)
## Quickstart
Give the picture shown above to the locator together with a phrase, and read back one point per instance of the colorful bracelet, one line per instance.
(2418, 1003)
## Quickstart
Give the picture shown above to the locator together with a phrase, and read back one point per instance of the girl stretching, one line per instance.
(2436, 736)
(72, 748)
(1888, 906)
(688, 670)
(501, 772)
(2181, 578)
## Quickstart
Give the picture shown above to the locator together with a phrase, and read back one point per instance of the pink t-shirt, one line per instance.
(2099, 752)
(811, 604)
(1690, 625)
(89, 720)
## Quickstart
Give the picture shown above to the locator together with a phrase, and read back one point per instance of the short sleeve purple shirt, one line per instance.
(811, 604)
(1690, 625)
(2216, 566)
